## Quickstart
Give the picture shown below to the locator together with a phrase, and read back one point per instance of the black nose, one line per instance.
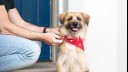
(75, 24)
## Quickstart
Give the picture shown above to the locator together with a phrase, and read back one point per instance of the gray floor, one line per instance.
(40, 67)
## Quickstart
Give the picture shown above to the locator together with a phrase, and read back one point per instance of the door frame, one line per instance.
(57, 7)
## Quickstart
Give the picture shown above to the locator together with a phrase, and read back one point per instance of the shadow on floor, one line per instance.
(40, 67)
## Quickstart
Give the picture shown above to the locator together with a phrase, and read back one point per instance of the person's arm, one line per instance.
(7, 27)
(16, 19)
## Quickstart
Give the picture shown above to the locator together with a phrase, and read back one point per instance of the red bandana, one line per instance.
(78, 42)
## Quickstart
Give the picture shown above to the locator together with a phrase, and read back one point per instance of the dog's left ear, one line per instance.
(86, 18)
(62, 17)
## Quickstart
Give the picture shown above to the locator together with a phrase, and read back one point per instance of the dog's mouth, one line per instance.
(74, 27)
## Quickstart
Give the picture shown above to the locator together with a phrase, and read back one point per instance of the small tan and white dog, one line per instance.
(71, 56)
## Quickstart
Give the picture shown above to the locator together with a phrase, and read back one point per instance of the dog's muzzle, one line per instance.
(74, 26)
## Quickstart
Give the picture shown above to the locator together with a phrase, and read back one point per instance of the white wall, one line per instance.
(122, 36)
(102, 39)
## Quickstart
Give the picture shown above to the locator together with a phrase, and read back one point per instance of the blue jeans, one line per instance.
(17, 52)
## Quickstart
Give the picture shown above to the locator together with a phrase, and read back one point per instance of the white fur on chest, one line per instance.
(71, 58)
(70, 49)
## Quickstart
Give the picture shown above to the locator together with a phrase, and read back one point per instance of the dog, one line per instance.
(71, 57)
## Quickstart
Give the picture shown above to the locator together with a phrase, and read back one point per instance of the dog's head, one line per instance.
(74, 23)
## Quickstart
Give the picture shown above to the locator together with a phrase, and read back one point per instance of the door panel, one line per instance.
(36, 12)
(29, 10)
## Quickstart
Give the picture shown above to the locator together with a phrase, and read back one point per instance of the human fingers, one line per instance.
(57, 42)
(57, 32)
(57, 36)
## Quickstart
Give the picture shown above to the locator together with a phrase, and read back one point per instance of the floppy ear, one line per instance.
(86, 18)
(62, 17)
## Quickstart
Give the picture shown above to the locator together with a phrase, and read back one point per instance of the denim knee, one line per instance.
(17, 52)
(23, 56)
(32, 52)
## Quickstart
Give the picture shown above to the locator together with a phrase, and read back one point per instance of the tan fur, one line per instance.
(71, 58)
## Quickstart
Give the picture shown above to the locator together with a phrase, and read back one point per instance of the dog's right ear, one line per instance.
(86, 18)
(62, 17)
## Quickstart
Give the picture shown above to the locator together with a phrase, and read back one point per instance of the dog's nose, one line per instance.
(75, 24)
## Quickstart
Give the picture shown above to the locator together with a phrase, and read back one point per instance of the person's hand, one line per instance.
(51, 39)
(53, 30)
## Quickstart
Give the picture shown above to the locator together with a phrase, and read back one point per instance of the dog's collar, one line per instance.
(78, 42)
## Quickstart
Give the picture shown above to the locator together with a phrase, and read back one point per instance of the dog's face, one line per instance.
(74, 23)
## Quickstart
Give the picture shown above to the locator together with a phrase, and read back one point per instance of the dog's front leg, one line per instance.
(60, 68)
(82, 63)
(60, 65)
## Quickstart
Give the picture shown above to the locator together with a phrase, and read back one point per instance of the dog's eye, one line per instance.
(78, 18)
(69, 19)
